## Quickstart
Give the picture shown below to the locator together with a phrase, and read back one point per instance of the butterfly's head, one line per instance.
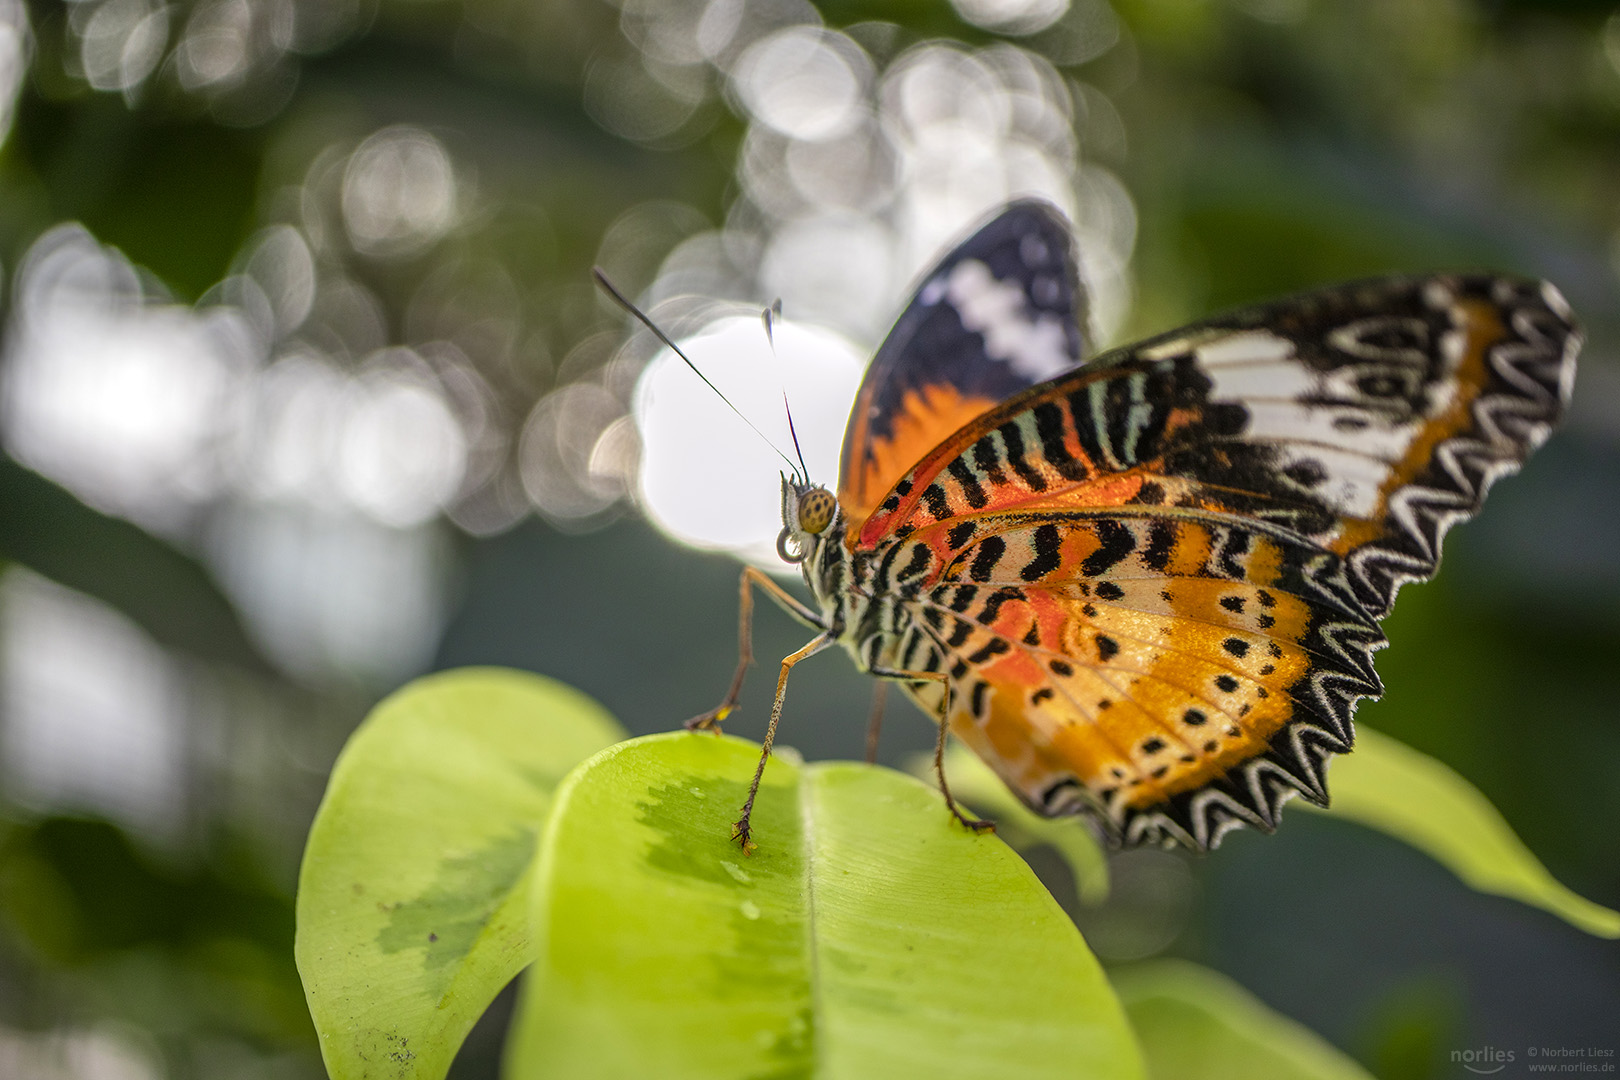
(808, 511)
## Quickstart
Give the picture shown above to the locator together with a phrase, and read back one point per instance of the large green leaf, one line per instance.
(413, 900)
(1197, 1025)
(868, 935)
(1398, 790)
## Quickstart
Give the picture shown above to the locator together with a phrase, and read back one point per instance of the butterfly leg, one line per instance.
(710, 721)
(874, 720)
(976, 824)
(741, 831)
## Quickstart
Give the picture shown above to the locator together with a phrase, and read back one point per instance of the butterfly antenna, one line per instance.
(770, 317)
(624, 302)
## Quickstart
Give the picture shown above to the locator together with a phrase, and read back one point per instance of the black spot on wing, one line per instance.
(994, 647)
(1115, 542)
(991, 549)
(1047, 540)
(1151, 494)
(1161, 541)
(916, 564)
(992, 606)
(976, 700)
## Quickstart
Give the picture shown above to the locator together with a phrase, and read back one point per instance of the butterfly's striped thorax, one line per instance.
(863, 618)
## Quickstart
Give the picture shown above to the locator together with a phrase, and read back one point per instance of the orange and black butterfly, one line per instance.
(1145, 587)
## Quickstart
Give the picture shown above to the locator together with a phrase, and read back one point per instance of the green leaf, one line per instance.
(1195, 1024)
(413, 898)
(976, 783)
(868, 935)
(1391, 787)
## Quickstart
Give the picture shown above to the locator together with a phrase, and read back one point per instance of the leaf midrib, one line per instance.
(806, 800)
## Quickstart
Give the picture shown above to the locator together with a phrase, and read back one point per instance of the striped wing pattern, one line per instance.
(1155, 582)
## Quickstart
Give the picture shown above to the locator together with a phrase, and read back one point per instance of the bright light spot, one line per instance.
(298, 408)
(333, 595)
(384, 442)
(399, 192)
(116, 398)
(803, 82)
(718, 26)
(108, 1051)
(122, 42)
(401, 454)
(853, 172)
(1107, 234)
(14, 50)
(624, 98)
(1011, 16)
(92, 711)
(706, 478)
(934, 84)
(218, 46)
(280, 263)
(839, 268)
(565, 475)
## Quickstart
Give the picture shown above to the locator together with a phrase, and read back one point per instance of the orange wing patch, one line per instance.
(927, 417)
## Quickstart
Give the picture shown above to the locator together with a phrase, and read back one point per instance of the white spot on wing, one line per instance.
(1352, 484)
(1035, 348)
(1555, 300)
(1260, 380)
(1289, 421)
(1246, 347)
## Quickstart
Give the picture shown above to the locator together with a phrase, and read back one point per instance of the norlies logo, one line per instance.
(1484, 1061)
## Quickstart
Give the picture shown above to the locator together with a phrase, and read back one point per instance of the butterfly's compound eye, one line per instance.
(816, 509)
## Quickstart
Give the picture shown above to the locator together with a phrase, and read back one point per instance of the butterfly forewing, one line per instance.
(1154, 582)
(1001, 312)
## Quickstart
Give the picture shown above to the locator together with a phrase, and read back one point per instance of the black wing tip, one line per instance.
(1531, 377)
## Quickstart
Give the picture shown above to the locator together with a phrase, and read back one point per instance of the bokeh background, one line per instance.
(305, 390)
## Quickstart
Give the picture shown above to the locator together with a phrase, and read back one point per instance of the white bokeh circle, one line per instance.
(706, 479)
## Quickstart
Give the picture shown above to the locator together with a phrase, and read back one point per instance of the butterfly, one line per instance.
(1145, 586)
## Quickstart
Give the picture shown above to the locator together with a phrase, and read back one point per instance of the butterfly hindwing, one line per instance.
(1155, 582)
(1000, 313)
